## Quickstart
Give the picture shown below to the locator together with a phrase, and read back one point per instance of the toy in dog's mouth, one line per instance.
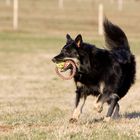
(65, 66)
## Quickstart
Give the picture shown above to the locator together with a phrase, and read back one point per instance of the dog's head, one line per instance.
(70, 51)
(74, 50)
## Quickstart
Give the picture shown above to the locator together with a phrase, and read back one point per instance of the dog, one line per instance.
(105, 73)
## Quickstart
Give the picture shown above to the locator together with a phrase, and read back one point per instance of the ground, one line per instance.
(34, 102)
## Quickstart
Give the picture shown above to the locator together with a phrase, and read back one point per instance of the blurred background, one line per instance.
(55, 18)
(52, 19)
(34, 102)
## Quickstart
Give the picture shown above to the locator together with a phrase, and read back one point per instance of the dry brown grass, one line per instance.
(34, 102)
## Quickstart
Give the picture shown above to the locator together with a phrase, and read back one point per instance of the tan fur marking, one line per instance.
(102, 85)
(107, 119)
(79, 84)
(98, 106)
(78, 43)
(78, 110)
(76, 113)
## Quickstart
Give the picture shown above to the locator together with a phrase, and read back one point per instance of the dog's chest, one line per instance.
(90, 89)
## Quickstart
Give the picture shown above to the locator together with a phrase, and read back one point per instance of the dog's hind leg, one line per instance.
(116, 112)
(79, 104)
(113, 103)
(100, 101)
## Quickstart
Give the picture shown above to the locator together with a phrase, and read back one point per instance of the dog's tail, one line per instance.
(114, 36)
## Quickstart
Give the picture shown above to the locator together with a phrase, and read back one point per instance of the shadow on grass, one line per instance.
(127, 115)
(132, 115)
(93, 121)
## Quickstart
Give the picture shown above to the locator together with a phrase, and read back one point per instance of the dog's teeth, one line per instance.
(66, 64)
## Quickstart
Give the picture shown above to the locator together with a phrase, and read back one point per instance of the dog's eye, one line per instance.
(65, 51)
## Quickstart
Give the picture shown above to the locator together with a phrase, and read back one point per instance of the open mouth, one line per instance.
(64, 66)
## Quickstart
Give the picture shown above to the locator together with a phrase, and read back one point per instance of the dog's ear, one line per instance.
(79, 40)
(68, 37)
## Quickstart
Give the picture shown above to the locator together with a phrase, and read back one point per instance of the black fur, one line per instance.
(114, 66)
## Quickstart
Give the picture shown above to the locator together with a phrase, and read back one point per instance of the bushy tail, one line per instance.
(114, 36)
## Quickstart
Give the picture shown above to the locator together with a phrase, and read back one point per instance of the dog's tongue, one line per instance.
(67, 63)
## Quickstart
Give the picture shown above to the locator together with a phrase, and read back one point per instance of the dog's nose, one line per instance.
(54, 60)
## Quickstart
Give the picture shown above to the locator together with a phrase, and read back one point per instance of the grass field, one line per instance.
(35, 104)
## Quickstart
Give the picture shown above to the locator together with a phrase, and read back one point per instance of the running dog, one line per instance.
(105, 73)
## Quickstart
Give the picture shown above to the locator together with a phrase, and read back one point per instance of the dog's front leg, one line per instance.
(79, 104)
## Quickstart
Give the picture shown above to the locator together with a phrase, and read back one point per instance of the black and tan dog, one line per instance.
(105, 73)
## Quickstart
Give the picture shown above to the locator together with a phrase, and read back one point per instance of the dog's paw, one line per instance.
(106, 119)
(73, 120)
(98, 107)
